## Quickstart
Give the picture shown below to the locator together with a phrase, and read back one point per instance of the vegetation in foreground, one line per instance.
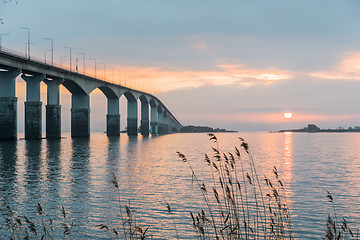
(238, 205)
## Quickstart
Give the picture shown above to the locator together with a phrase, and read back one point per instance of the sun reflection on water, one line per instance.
(287, 167)
(288, 161)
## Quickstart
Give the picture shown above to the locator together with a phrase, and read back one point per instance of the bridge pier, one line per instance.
(160, 122)
(174, 129)
(170, 126)
(154, 120)
(8, 105)
(113, 117)
(33, 110)
(144, 127)
(165, 124)
(80, 115)
(132, 118)
(53, 108)
(153, 128)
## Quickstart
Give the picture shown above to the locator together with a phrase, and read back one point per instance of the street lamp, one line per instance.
(62, 60)
(104, 70)
(112, 76)
(70, 56)
(52, 50)
(95, 64)
(77, 65)
(28, 44)
(83, 54)
(2, 34)
(46, 54)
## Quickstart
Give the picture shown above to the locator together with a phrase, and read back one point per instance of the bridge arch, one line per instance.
(113, 110)
(153, 117)
(80, 109)
(160, 112)
(73, 87)
(144, 123)
(132, 114)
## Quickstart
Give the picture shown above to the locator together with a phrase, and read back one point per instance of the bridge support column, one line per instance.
(113, 118)
(80, 115)
(154, 120)
(132, 119)
(8, 105)
(53, 108)
(161, 123)
(144, 119)
(153, 128)
(166, 125)
(170, 124)
(33, 110)
(174, 129)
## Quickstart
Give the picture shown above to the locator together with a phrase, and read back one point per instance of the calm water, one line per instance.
(77, 173)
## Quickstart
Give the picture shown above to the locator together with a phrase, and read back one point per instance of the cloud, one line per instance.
(200, 45)
(171, 79)
(347, 69)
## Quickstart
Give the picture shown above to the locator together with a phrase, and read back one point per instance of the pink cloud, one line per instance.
(171, 79)
(348, 69)
(200, 45)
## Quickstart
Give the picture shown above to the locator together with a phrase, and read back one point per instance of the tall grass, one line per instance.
(130, 228)
(20, 227)
(238, 204)
(335, 229)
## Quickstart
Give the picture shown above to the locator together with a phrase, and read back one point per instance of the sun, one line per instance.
(288, 115)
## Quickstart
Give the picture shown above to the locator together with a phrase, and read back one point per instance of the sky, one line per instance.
(229, 64)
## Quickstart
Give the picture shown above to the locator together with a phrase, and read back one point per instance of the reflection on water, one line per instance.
(77, 174)
(288, 161)
(33, 164)
(8, 161)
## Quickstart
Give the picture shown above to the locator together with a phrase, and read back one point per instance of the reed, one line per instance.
(130, 228)
(20, 227)
(336, 230)
(238, 204)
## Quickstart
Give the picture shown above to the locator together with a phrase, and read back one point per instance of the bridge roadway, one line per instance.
(33, 72)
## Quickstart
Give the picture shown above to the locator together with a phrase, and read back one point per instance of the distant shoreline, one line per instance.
(203, 129)
(312, 128)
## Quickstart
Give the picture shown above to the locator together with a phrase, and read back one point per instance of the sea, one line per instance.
(89, 183)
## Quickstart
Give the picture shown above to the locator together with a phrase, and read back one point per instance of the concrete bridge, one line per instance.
(155, 117)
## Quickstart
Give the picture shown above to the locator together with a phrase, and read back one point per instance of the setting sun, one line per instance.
(288, 115)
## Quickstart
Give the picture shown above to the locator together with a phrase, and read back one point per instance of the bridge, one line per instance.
(155, 116)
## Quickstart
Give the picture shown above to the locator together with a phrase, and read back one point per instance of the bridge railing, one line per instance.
(115, 78)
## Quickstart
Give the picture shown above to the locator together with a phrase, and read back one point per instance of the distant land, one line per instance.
(195, 129)
(312, 128)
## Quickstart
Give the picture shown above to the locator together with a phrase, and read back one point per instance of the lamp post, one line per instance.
(2, 34)
(83, 55)
(77, 65)
(95, 64)
(104, 70)
(62, 60)
(52, 50)
(112, 76)
(46, 54)
(70, 56)
(28, 44)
